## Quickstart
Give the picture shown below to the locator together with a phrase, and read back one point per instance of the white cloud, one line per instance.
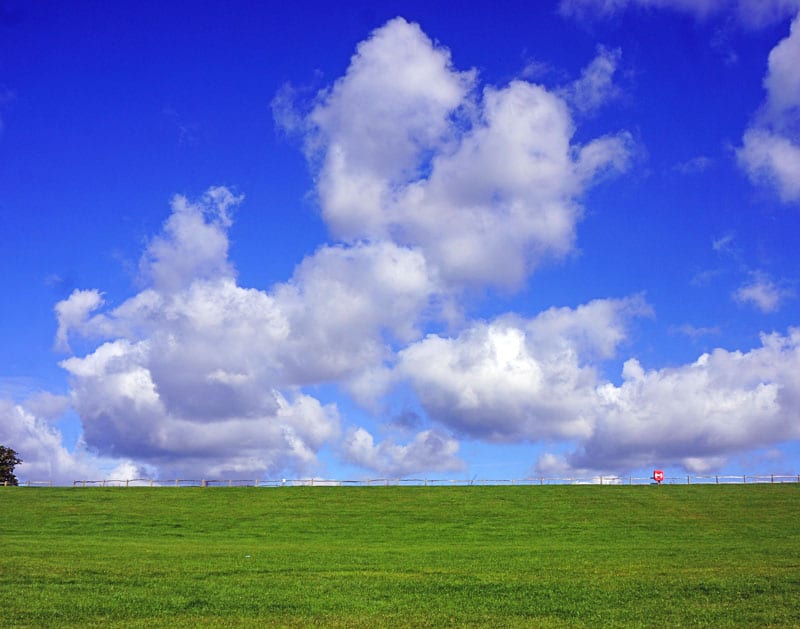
(433, 186)
(596, 85)
(46, 405)
(430, 450)
(346, 305)
(698, 414)
(783, 80)
(192, 421)
(39, 445)
(772, 159)
(198, 373)
(762, 293)
(485, 186)
(770, 152)
(194, 243)
(511, 379)
(404, 90)
(73, 314)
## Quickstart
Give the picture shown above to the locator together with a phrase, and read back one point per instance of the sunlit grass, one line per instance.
(721, 556)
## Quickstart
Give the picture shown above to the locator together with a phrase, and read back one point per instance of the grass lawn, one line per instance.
(557, 556)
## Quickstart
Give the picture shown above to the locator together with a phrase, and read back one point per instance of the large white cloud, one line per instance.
(198, 373)
(432, 186)
(484, 184)
(537, 380)
(512, 379)
(699, 414)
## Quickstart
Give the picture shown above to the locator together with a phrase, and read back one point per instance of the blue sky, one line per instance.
(251, 240)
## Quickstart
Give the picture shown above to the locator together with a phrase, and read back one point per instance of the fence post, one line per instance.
(717, 481)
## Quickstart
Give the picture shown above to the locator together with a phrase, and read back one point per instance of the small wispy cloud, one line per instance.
(596, 85)
(724, 243)
(705, 277)
(694, 166)
(695, 332)
(762, 293)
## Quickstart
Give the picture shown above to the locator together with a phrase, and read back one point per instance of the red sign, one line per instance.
(658, 475)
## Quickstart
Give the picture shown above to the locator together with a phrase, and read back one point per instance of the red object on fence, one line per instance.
(658, 476)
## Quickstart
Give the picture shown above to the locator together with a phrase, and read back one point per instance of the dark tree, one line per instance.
(8, 460)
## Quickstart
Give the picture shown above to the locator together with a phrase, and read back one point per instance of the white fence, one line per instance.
(745, 479)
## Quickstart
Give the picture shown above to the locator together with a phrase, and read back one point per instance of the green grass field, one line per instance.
(713, 556)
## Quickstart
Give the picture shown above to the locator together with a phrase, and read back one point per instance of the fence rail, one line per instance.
(718, 479)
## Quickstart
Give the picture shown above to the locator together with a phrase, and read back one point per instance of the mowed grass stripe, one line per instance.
(721, 556)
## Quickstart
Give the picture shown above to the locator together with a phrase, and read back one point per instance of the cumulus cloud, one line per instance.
(432, 186)
(696, 415)
(773, 160)
(512, 379)
(198, 373)
(193, 244)
(770, 151)
(484, 184)
(73, 314)
(430, 450)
